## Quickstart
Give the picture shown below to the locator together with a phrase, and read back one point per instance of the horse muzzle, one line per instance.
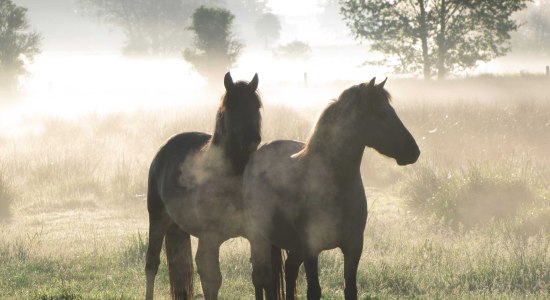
(409, 158)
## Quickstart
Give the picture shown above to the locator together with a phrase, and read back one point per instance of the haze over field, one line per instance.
(81, 68)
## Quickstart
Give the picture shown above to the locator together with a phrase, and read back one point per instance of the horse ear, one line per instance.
(228, 81)
(253, 84)
(381, 85)
(371, 83)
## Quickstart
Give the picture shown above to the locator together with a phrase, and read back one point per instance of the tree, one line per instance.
(18, 44)
(215, 50)
(151, 27)
(268, 27)
(436, 36)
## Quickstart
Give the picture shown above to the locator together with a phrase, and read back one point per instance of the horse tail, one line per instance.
(159, 222)
(277, 265)
(180, 263)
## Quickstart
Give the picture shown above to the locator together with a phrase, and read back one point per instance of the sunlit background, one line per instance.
(81, 69)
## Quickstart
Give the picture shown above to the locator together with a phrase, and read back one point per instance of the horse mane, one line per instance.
(332, 112)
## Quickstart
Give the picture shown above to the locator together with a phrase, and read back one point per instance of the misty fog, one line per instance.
(81, 68)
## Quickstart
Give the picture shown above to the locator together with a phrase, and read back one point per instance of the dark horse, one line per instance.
(195, 188)
(307, 198)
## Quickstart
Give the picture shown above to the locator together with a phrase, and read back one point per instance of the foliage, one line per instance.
(151, 27)
(438, 36)
(294, 50)
(216, 50)
(268, 27)
(18, 44)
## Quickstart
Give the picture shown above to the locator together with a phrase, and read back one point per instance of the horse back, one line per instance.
(164, 170)
(272, 160)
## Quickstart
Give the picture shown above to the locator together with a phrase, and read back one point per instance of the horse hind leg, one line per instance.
(158, 225)
(278, 275)
(208, 266)
(180, 263)
(262, 269)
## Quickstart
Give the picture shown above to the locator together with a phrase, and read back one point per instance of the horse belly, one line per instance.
(283, 231)
(323, 231)
(286, 228)
(180, 209)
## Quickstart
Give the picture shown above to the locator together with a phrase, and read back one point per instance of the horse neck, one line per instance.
(231, 157)
(340, 152)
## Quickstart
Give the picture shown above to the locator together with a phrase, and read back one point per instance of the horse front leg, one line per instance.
(352, 255)
(208, 266)
(311, 264)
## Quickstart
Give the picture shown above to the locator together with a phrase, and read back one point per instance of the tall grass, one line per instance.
(493, 264)
(477, 193)
(471, 220)
(5, 199)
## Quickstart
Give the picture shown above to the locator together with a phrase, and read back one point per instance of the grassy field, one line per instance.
(470, 220)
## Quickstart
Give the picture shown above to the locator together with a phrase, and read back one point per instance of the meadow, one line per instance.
(471, 219)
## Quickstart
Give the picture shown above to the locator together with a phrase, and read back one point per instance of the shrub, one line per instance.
(474, 195)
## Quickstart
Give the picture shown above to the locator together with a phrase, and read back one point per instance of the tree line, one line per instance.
(430, 37)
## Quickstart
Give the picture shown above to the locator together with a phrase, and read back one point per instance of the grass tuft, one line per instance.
(134, 252)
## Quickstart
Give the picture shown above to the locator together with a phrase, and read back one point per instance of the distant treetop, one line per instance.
(436, 36)
(18, 44)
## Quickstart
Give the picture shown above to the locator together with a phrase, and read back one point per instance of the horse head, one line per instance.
(238, 123)
(379, 126)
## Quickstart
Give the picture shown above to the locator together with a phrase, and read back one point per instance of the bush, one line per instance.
(474, 195)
